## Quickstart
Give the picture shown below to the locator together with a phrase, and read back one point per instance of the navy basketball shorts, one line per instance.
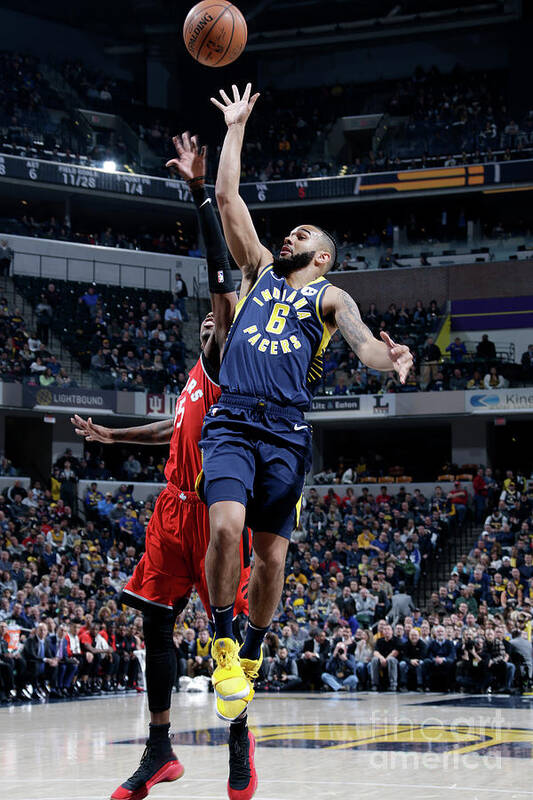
(257, 454)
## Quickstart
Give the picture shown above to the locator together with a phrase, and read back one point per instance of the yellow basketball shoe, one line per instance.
(233, 690)
(251, 667)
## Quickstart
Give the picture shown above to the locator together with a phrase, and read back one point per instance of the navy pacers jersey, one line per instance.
(276, 341)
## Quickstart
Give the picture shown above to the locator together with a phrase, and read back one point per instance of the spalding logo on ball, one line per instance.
(215, 32)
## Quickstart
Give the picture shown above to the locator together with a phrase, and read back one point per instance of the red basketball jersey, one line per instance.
(185, 460)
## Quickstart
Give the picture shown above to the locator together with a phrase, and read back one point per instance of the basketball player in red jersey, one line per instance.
(177, 536)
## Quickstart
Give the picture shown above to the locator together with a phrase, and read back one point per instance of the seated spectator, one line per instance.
(315, 654)
(46, 378)
(473, 673)
(439, 664)
(412, 655)
(493, 380)
(384, 664)
(339, 674)
(172, 314)
(459, 497)
(131, 468)
(41, 663)
(388, 260)
(458, 381)
(201, 662)
(283, 672)
(476, 381)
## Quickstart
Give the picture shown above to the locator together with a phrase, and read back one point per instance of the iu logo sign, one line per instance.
(155, 404)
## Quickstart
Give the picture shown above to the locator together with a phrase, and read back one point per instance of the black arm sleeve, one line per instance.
(218, 266)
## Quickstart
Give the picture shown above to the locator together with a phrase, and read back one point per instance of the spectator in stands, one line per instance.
(402, 605)
(473, 666)
(283, 672)
(481, 492)
(485, 349)
(46, 378)
(431, 356)
(181, 294)
(384, 663)
(43, 311)
(493, 380)
(527, 365)
(459, 497)
(458, 380)
(457, 350)
(131, 468)
(6, 257)
(314, 656)
(388, 260)
(412, 655)
(172, 314)
(42, 664)
(439, 664)
(339, 674)
(476, 381)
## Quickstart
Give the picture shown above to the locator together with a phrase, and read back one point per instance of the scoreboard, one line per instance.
(475, 177)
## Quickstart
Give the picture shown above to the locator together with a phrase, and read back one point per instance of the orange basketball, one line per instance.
(215, 32)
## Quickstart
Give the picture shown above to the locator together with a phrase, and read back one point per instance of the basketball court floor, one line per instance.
(408, 746)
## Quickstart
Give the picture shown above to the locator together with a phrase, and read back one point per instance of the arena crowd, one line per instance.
(348, 619)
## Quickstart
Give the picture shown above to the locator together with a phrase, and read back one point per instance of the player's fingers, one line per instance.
(194, 143)
(386, 338)
(246, 95)
(253, 99)
(203, 151)
(225, 97)
(186, 138)
(178, 144)
(217, 103)
(172, 163)
(236, 95)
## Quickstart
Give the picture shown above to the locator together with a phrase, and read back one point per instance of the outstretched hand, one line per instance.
(191, 160)
(91, 432)
(400, 355)
(236, 111)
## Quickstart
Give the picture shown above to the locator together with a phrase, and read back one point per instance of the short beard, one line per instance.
(286, 266)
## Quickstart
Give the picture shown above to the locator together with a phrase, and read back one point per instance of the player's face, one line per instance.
(206, 328)
(300, 248)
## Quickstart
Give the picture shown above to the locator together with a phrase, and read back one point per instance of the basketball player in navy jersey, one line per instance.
(255, 442)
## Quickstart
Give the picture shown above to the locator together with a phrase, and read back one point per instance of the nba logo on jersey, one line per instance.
(220, 276)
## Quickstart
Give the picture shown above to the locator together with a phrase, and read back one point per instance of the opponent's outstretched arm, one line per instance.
(191, 164)
(341, 312)
(154, 433)
(241, 236)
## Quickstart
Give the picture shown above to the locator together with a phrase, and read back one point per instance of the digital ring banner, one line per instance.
(255, 194)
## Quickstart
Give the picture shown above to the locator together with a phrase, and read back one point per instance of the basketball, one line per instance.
(215, 32)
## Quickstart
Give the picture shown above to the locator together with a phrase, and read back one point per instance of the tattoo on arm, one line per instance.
(350, 324)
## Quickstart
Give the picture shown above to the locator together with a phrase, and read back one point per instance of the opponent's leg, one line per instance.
(242, 781)
(159, 763)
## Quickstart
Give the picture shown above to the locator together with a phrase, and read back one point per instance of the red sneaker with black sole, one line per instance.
(158, 765)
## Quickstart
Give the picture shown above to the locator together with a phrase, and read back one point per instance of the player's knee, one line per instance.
(226, 532)
(271, 563)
